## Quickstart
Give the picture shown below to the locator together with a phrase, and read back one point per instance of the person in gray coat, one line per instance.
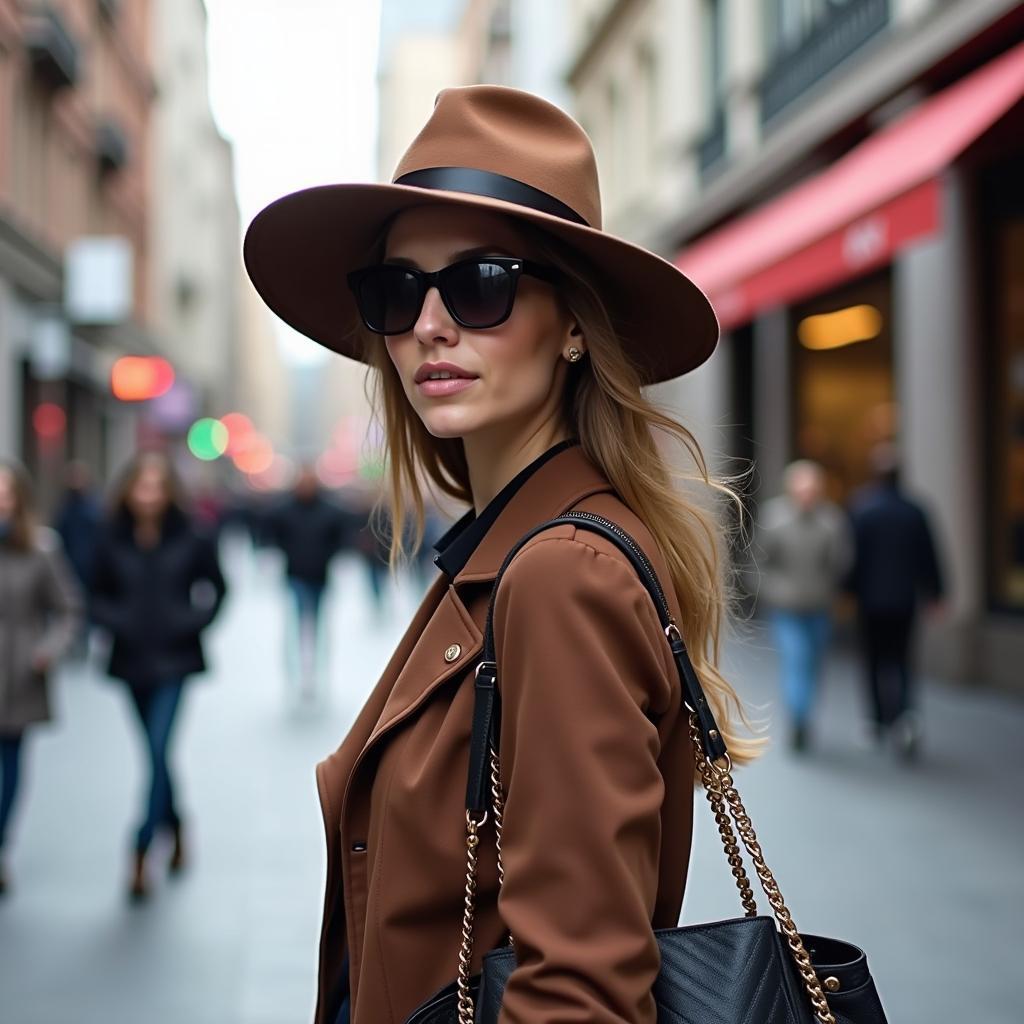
(40, 612)
(805, 551)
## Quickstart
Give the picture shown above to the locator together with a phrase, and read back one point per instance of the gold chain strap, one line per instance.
(721, 776)
(468, 914)
(732, 851)
(721, 793)
(498, 805)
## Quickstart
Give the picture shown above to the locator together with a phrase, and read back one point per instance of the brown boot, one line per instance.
(139, 889)
(178, 859)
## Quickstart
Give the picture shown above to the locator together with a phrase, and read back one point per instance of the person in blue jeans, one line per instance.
(157, 585)
(157, 709)
(805, 550)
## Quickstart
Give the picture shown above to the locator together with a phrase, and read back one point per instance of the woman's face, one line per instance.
(8, 496)
(516, 371)
(148, 497)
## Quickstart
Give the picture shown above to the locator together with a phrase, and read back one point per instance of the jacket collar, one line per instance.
(555, 487)
(458, 544)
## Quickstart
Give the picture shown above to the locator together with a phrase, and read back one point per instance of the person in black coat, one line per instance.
(896, 567)
(310, 530)
(157, 585)
(79, 521)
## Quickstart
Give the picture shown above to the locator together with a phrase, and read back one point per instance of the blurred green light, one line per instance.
(207, 439)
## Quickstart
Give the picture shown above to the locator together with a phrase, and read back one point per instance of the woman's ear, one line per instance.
(575, 343)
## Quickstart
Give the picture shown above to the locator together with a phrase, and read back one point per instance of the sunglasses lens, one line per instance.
(389, 300)
(479, 293)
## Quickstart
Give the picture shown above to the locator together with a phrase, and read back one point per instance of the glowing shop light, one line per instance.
(843, 327)
(139, 378)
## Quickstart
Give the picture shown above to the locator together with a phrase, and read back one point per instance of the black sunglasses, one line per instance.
(478, 292)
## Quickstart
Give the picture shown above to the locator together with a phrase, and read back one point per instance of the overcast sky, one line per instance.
(293, 86)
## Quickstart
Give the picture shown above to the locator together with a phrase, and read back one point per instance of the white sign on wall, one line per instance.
(98, 280)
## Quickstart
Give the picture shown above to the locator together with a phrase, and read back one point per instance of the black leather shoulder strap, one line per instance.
(486, 706)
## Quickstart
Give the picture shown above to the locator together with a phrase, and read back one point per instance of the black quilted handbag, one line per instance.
(753, 969)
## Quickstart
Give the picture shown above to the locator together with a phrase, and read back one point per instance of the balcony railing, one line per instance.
(843, 30)
(52, 49)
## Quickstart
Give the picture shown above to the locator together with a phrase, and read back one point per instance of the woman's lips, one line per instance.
(443, 388)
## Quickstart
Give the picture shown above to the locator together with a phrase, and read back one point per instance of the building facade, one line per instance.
(194, 225)
(76, 92)
(119, 236)
(843, 178)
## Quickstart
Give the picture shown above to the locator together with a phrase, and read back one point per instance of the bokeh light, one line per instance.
(207, 439)
(255, 456)
(49, 421)
(139, 378)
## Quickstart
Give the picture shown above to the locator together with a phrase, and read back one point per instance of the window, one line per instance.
(714, 56)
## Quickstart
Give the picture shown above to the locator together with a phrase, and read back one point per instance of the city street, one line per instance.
(918, 864)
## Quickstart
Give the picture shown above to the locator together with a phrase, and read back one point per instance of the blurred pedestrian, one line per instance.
(896, 565)
(40, 610)
(310, 530)
(157, 586)
(79, 520)
(805, 552)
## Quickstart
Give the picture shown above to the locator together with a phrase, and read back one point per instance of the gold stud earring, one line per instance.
(575, 355)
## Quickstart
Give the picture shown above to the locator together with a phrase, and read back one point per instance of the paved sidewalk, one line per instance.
(920, 865)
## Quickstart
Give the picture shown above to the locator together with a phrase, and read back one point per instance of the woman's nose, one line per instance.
(434, 324)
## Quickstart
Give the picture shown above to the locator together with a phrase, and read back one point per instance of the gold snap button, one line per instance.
(452, 653)
(832, 984)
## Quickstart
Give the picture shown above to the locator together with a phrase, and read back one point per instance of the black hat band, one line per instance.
(494, 186)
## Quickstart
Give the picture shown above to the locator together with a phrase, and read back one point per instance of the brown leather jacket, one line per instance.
(596, 762)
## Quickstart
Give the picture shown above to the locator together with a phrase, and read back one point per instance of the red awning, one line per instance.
(878, 198)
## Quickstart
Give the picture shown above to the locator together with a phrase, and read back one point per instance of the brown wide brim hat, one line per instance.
(491, 148)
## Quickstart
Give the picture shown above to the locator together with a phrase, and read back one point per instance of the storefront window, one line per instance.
(843, 384)
(1008, 533)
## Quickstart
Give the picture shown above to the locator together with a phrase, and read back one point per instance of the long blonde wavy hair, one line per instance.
(618, 429)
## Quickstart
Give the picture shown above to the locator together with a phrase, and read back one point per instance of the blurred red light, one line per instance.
(240, 429)
(49, 420)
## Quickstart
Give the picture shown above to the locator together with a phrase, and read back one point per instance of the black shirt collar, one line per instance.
(456, 547)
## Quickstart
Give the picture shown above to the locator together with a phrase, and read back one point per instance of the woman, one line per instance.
(508, 339)
(157, 586)
(806, 551)
(40, 612)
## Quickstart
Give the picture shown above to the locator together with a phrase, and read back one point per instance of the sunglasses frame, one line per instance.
(425, 280)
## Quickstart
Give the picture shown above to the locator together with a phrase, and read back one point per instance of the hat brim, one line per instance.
(298, 250)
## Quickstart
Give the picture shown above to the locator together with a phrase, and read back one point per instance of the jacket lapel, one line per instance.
(450, 639)
(447, 645)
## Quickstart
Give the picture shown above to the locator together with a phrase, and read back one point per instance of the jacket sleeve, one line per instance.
(207, 570)
(62, 602)
(582, 662)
